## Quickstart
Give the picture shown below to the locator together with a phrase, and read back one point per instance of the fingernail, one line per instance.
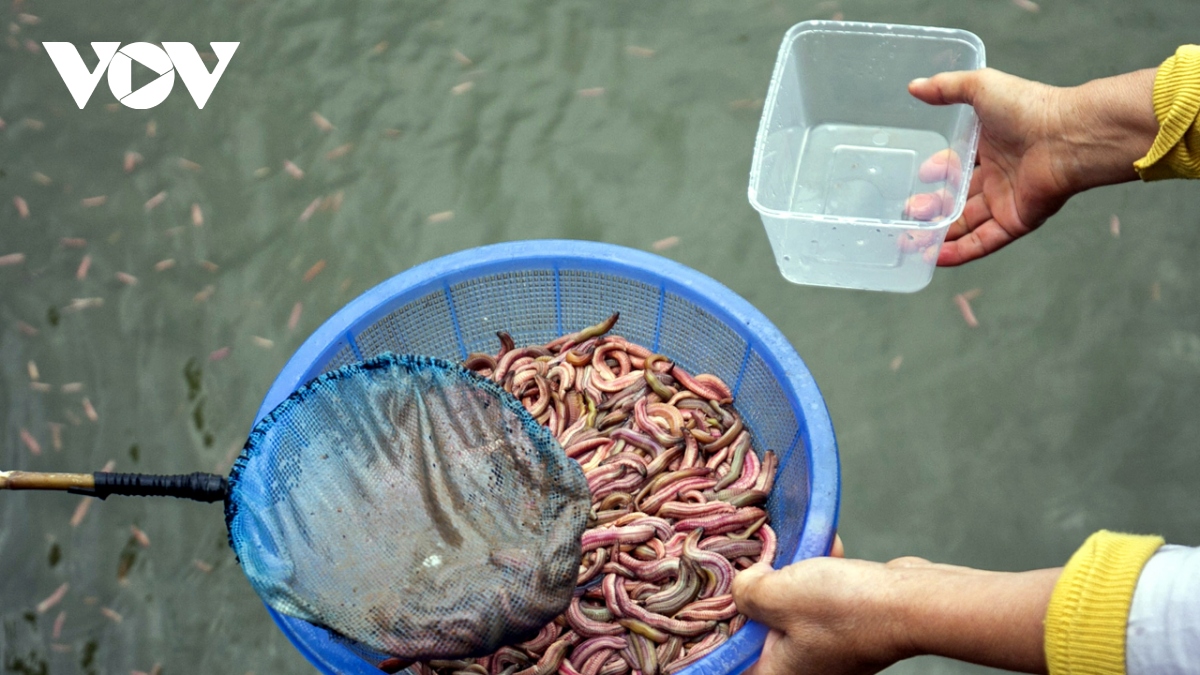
(753, 571)
(918, 82)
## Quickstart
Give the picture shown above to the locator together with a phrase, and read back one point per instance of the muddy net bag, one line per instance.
(410, 506)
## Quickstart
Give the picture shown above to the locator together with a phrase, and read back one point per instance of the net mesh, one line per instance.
(410, 506)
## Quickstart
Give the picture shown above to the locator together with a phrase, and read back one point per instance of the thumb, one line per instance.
(946, 88)
(756, 593)
(838, 550)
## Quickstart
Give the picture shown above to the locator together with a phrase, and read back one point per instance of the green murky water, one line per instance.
(1070, 408)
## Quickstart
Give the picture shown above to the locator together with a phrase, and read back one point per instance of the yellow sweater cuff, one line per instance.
(1088, 611)
(1176, 150)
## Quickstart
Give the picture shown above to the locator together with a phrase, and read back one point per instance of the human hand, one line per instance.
(853, 617)
(1038, 146)
(819, 616)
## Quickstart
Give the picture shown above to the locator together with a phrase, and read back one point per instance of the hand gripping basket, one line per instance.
(538, 290)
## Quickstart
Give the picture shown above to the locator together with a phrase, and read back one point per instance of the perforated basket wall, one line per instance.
(538, 290)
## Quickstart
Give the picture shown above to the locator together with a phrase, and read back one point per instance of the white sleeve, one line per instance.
(1163, 633)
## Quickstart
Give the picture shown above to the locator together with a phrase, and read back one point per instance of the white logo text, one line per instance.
(172, 57)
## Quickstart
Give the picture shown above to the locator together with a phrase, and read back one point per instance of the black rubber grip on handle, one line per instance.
(201, 487)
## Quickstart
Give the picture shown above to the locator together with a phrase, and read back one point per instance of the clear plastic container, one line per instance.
(842, 146)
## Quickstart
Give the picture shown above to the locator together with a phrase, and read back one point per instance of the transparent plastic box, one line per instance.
(842, 146)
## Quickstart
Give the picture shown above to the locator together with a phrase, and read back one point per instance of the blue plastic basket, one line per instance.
(538, 290)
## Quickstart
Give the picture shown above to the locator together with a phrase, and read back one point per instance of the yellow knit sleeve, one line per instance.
(1176, 150)
(1089, 608)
